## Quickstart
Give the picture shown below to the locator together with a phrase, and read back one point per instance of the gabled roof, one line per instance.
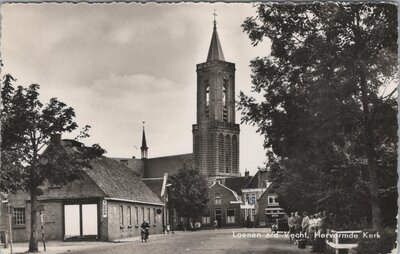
(155, 185)
(233, 192)
(268, 191)
(119, 182)
(257, 181)
(215, 50)
(113, 178)
(236, 183)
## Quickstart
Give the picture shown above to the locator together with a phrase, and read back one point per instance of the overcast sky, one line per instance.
(120, 64)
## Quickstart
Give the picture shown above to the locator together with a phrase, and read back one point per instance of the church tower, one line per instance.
(216, 134)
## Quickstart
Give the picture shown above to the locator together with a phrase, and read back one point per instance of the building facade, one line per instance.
(108, 202)
(223, 206)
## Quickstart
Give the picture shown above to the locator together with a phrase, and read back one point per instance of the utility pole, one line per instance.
(10, 224)
(41, 209)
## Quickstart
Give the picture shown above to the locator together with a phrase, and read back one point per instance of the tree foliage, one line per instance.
(188, 192)
(328, 111)
(29, 159)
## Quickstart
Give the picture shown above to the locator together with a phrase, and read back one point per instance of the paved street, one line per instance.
(207, 241)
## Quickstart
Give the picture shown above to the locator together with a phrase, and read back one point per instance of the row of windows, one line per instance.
(224, 99)
(146, 215)
(230, 216)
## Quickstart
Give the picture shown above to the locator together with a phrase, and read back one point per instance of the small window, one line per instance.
(121, 215)
(227, 164)
(217, 199)
(154, 216)
(19, 216)
(143, 214)
(130, 215)
(271, 200)
(230, 216)
(137, 215)
(206, 220)
(251, 198)
(148, 215)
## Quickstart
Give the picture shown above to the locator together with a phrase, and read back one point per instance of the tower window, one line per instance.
(207, 98)
(224, 93)
(224, 101)
(207, 94)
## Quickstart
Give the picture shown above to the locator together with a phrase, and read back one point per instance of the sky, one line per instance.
(120, 64)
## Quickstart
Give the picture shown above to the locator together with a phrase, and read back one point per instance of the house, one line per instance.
(108, 202)
(268, 209)
(223, 206)
(251, 192)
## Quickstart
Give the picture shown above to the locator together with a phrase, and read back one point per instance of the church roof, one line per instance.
(215, 51)
(156, 167)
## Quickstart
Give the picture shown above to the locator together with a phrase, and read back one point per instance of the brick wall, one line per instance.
(131, 225)
(226, 198)
(52, 199)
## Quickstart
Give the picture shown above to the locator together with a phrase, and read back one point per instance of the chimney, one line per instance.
(246, 173)
(55, 138)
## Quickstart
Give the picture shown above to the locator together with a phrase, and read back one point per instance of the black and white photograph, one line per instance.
(199, 127)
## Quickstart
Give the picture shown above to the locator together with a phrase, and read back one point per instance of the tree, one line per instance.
(29, 158)
(328, 112)
(188, 192)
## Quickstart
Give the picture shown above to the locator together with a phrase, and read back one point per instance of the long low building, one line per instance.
(108, 202)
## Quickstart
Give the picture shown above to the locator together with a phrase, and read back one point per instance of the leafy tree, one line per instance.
(29, 159)
(188, 192)
(328, 111)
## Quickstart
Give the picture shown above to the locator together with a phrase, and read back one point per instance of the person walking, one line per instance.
(324, 224)
(297, 225)
(291, 226)
(305, 223)
(215, 224)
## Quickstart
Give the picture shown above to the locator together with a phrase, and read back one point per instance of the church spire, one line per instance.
(144, 147)
(215, 51)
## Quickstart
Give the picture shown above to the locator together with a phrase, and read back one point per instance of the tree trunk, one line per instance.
(368, 131)
(33, 241)
(371, 157)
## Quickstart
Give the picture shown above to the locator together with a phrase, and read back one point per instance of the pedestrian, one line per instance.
(297, 225)
(215, 224)
(311, 231)
(291, 226)
(324, 224)
(305, 223)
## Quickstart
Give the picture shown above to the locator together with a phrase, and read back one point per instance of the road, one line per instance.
(207, 241)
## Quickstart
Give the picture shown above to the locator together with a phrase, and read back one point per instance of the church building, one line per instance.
(215, 142)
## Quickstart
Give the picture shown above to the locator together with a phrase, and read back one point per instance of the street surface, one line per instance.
(205, 241)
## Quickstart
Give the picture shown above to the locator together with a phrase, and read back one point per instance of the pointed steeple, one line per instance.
(144, 147)
(215, 51)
